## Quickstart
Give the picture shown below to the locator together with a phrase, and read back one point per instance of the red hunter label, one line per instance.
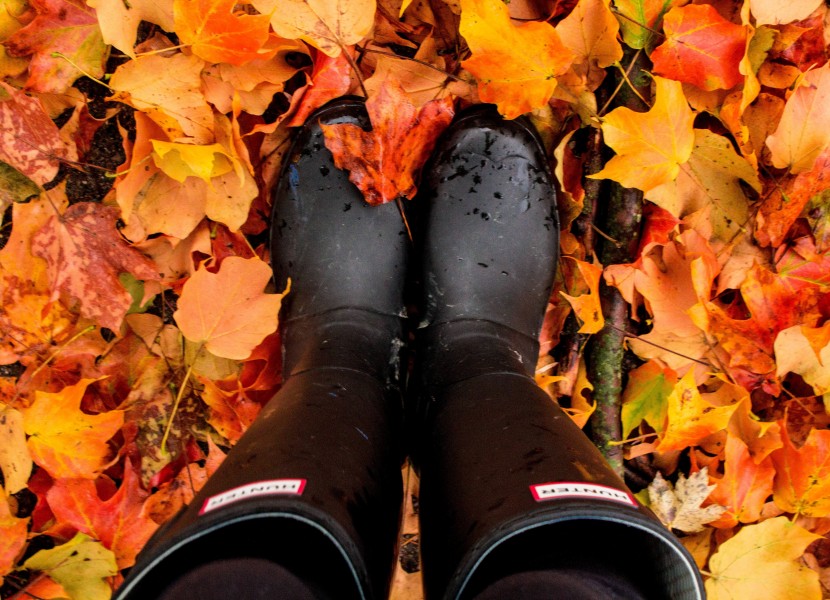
(566, 489)
(252, 490)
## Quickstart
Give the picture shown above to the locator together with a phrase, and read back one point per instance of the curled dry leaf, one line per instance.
(678, 506)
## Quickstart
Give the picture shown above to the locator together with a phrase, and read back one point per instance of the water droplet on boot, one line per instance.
(324, 170)
(524, 206)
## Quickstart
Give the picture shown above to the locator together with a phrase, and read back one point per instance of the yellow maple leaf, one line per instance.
(690, 417)
(516, 65)
(650, 146)
(65, 441)
(587, 306)
(761, 561)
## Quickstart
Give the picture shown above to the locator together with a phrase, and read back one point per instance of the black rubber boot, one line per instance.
(509, 484)
(314, 485)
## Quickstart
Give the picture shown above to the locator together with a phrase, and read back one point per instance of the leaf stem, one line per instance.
(178, 400)
(74, 64)
(355, 68)
(161, 50)
(415, 60)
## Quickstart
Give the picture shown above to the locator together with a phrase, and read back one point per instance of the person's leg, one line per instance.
(314, 485)
(509, 484)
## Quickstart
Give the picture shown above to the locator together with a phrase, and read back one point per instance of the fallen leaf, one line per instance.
(15, 461)
(802, 475)
(701, 48)
(86, 254)
(641, 19)
(515, 65)
(65, 441)
(787, 199)
(331, 78)
(801, 135)
(31, 143)
(678, 506)
(13, 534)
(712, 178)
(771, 12)
(761, 561)
(794, 353)
(590, 32)
(744, 487)
(423, 79)
(325, 24)
(81, 566)
(646, 395)
(385, 162)
(119, 20)
(178, 106)
(587, 306)
(228, 311)
(181, 161)
(650, 146)
(218, 34)
(690, 417)
(119, 523)
(65, 43)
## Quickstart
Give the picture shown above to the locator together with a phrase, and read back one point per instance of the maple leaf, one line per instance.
(231, 412)
(13, 534)
(178, 106)
(802, 135)
(331, 77)
(761, 561)
(15, 461)
(640, 19)
(228, 311)
(61, 27)
(516, 65)
(650, 146)
(385, 162)
(794, 353)
(690, 417)
(678, 506)
(31, 142)
(422, 81)
(120, 522)
(181, 161)
(587, 306)
(81, 566)
(712, 179)
(760, 437)
(772, 12)
(744, 487)
(325, 24)
(785, 202)
(65, 441)
(802, 475)
(645, 397)
(218, 34)
(590, 32)
(119, 20)
(86, 254)
(701, 48)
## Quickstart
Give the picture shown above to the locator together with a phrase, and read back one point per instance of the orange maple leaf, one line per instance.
(516, 65)
(218, 34)
(701, 48)
(13, 534)
(229, 311)
(744, 487)
(802, 475)
(65, 441)
(330, 79)
(385, 162)
(120, 523)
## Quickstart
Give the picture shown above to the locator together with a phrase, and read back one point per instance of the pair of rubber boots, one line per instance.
(509, 485)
